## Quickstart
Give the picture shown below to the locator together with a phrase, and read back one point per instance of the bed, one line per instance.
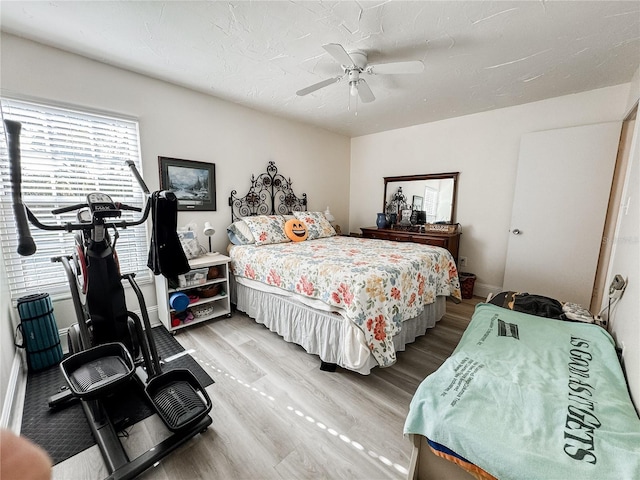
(353, 302)
(525, 397)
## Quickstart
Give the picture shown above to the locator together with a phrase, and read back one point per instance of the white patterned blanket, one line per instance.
(378, 284)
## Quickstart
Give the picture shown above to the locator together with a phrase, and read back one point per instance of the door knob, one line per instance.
(515, 231)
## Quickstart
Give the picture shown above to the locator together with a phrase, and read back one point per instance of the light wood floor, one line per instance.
(277, 416)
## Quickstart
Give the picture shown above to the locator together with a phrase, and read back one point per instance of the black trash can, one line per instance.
(467, 281)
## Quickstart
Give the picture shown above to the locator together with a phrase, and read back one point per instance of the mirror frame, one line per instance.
(432, 176)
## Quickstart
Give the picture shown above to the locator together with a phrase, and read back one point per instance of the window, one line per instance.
(430, 203)
(65, 156)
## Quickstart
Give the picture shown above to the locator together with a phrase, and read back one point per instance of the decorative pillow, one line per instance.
(317, 224)
(267, 229)
(239, 233)
(296, 230)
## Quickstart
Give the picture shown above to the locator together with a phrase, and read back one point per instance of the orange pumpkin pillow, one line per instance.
(296, 230)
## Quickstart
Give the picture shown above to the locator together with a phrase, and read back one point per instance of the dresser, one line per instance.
(450, 241)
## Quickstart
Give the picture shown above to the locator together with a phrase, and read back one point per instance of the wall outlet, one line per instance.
(616, 289)
(462, 261)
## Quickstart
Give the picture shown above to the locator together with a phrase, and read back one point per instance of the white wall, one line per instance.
(484, 148)
(177, 122)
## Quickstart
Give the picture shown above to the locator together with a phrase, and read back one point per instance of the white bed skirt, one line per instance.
(329, 335)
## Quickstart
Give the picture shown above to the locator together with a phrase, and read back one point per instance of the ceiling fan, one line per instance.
(354, 64)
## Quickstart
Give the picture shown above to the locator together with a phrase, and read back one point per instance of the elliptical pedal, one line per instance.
(178, 398)
(98, 370)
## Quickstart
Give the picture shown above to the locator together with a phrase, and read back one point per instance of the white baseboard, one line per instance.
(13, 404)
(153, 319)
(483, 289)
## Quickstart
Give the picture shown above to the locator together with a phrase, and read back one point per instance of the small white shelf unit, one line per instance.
(221, 303)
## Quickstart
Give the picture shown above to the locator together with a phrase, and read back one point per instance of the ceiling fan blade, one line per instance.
(338, 52)
(317, 86)
(366, 95)
(414, 66)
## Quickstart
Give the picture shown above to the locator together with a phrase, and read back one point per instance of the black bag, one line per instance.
(532, 304)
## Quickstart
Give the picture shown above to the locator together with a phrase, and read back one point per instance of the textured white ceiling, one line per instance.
(478, 55)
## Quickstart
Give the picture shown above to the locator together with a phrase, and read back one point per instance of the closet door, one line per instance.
(560, 202)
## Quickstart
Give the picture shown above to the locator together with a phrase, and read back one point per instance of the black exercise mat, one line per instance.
(65, 432)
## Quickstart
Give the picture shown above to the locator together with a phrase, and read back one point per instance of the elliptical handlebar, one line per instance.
(138, 176)
(26, 245)
(122, 206)
(70, 208)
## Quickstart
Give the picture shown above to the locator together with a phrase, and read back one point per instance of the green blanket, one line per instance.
(527, 397)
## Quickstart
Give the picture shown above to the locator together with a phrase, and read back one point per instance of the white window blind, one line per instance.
(65, 156)
(430, 205)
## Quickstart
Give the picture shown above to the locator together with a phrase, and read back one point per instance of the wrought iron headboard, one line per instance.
(270, 194)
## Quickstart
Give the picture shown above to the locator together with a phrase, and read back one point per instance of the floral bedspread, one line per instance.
(377, 283)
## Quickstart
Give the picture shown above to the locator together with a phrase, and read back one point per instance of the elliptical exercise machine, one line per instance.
(110, 346)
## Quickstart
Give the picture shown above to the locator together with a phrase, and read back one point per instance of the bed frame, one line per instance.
(426, 465)
(270, 193)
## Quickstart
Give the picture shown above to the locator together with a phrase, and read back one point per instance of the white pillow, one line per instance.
(267, 229)
(317, 224)
(240, 234)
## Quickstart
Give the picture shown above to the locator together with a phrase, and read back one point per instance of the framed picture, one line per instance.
(417, 203)
(194, 183)
(406, 217)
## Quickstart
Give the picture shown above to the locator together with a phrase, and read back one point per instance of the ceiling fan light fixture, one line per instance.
(353, 89)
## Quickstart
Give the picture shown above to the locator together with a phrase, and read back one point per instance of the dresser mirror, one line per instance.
(430, 199)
